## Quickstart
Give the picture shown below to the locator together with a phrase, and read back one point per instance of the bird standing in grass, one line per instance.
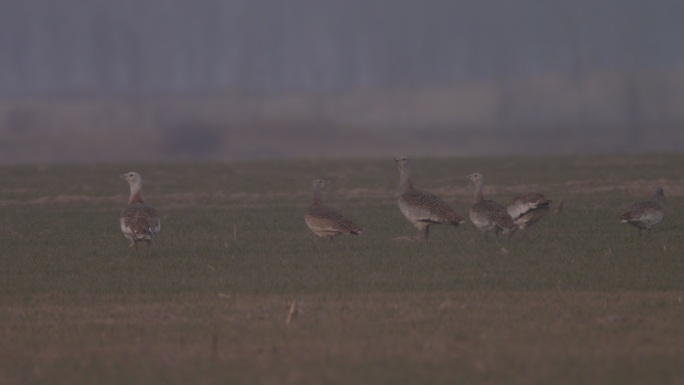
(139, 222)
(421, 208)
(489, 216)
(645, 215)
(528, 208)
(324, 221)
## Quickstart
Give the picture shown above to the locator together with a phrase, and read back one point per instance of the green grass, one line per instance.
(583, 300)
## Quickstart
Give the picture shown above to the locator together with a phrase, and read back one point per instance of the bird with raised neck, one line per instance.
(421, 208)
(487, 215)
(139, 222)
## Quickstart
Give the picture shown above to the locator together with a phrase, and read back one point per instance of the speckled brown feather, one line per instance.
(422, 209)
(324, 221)
(142, 220)
(494, 215)
(644, 215)
(487, 215)
(138, 222)
(430, 208)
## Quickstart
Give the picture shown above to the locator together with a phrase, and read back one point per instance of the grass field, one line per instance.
(582, 301)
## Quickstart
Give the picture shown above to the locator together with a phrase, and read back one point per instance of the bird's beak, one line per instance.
(122, 176)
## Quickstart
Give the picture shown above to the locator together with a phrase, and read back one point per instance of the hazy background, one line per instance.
(103, 80)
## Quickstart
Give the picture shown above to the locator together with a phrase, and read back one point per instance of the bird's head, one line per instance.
(475, 177)
(133, 178)
(402, 162)
(319, 183)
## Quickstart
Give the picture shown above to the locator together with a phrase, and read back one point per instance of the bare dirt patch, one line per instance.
(489, 334)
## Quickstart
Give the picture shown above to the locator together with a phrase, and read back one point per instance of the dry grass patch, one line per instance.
(476, 337)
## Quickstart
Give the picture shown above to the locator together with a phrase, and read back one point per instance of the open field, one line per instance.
(583, 301)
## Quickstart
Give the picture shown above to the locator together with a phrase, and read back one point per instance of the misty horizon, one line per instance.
(602, 76)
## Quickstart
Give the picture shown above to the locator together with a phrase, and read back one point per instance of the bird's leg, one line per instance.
(425, 233)
(497, 233)
(130, 248)
(317, 243)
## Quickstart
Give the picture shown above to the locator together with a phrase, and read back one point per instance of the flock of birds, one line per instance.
(423, 209)
(140, 222)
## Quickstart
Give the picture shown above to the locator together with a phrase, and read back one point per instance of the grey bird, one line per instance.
(139, 222)
(421, 208)
(644, 215)
(489, 216)
(324, 221)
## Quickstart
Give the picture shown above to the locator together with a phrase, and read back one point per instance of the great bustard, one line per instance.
(139, 222)
(527, 208)
(489, 216)
(421, 208)
(324, 221)
(646, 214)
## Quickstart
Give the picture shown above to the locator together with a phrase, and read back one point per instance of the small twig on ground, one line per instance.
(294, 311)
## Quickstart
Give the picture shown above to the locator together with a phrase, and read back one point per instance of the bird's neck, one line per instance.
(405, 181)
(136, 194)
(478, 192)
(316, 196)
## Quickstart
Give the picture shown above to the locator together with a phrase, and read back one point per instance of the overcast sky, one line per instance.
(268, 46)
